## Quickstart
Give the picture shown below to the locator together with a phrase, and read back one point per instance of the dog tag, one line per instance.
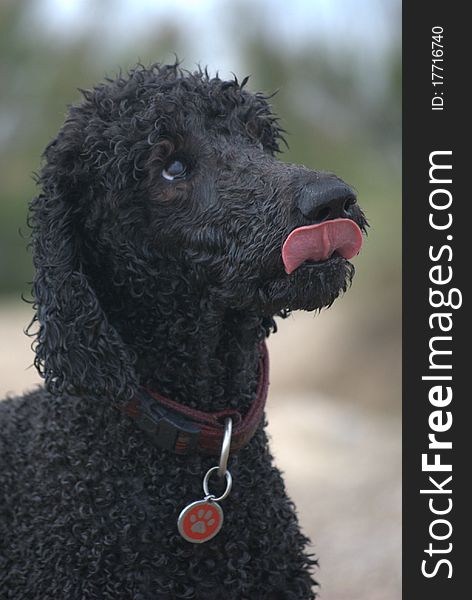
(200, 521)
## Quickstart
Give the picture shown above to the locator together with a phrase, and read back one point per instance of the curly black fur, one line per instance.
(170, 284)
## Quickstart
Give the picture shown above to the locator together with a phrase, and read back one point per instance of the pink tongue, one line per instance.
(319, 242)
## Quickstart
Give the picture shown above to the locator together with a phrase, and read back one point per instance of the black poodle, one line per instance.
(166, 238)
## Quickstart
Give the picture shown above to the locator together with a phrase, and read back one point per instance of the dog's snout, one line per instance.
(326, 199)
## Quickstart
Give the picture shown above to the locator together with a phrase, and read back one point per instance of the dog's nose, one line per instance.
(325, 199)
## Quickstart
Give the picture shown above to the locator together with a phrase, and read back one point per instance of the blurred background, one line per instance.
(334, 408)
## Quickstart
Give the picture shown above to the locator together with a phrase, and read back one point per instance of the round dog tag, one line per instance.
(200, 521)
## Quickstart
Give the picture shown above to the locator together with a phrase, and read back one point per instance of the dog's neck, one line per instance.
(190, 347)
(205, 360)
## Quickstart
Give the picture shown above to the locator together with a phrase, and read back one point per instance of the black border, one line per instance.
(424, 131)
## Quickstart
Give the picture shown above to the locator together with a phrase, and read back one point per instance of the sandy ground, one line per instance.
(341, 458)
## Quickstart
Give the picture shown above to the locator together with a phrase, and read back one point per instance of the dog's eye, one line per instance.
(176, 169)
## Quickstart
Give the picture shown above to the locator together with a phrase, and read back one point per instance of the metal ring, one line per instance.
(229, 483)
(225, 447)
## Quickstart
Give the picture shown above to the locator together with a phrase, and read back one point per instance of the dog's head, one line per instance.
(164, 183)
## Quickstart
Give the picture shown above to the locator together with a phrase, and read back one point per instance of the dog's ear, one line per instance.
(77, 350)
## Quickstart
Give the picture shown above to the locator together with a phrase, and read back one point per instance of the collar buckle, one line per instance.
(166, 428)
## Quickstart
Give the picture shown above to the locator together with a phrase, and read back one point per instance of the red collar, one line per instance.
(185, 430)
